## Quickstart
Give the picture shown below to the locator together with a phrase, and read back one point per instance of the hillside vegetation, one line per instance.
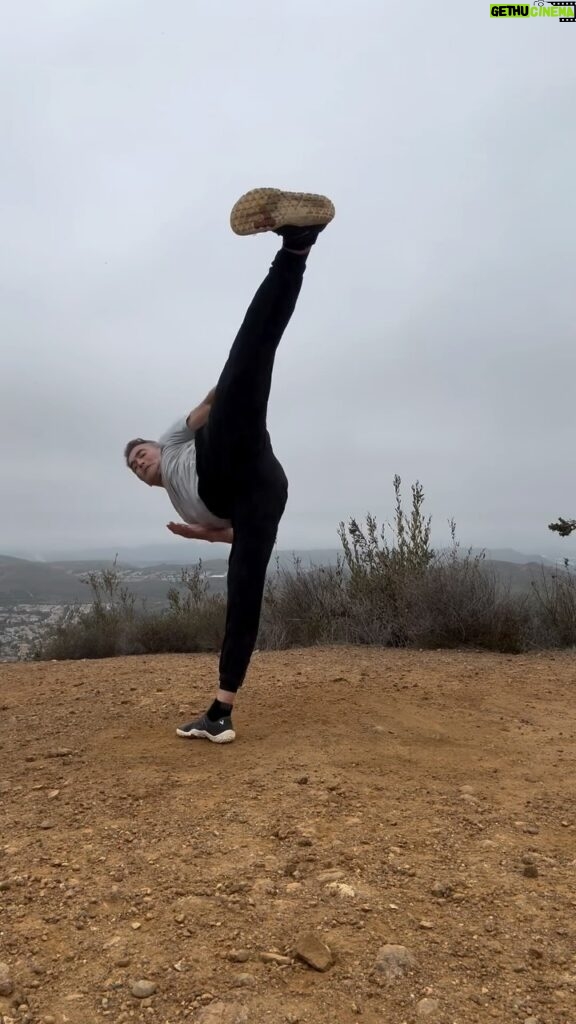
(396, 592)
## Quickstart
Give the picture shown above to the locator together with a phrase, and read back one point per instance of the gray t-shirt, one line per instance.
(179, 476)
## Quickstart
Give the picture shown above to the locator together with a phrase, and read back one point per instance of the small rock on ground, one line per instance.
(239, 956)
(314, 952)
(143, 989)
(340, 889)
(275, 958)
(332, 875)
(6, 982)
(442, 889)
(427, 1007)
(393, 961)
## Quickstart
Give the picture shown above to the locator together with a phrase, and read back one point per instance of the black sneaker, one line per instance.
(298, 239)
(298, 217)
(221, 731)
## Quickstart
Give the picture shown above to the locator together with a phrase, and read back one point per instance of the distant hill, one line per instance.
(60, 582)
(510, 555)
(23, 582)
(83, 565)
(179, 552)
(27, 582)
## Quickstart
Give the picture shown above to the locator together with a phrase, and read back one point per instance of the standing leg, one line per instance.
(255, 519)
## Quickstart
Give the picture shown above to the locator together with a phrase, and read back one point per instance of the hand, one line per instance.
(194, 531)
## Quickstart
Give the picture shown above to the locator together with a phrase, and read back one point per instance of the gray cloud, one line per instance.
(435, 334)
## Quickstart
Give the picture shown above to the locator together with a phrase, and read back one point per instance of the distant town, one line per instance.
(34, 597)
(23, 626)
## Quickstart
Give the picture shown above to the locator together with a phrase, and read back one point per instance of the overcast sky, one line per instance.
(435, 335)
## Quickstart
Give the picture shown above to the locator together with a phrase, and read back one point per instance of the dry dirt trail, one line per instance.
(429, 804)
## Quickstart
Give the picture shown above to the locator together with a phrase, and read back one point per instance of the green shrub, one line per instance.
(389, 587)
(192, 622)
(556, 601)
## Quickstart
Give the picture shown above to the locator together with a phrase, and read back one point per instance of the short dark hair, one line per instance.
(134, 444)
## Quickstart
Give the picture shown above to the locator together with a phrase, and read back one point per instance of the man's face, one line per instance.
(144, 460)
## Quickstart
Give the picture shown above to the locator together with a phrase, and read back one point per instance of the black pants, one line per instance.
(239, 477)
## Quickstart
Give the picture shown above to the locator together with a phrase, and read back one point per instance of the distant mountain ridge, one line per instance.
(179, 553)
(24, 581)
(510, 555)
(189, 552)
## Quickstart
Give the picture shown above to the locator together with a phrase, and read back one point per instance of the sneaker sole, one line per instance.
(201, 734)
(267, 209)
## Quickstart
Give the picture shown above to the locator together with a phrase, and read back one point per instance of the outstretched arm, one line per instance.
(197, 532)
(197, 418)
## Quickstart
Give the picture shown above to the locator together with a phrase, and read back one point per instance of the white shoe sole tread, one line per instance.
(267, 209)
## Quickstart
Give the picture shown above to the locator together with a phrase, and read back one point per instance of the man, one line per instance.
(217, 464)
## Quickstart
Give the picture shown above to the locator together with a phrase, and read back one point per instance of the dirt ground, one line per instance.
(421, 799)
